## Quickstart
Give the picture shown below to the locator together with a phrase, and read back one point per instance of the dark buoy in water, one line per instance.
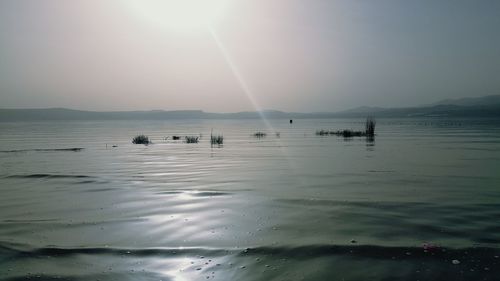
(291, 121)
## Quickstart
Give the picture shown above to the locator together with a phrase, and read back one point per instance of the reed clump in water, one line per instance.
(191, 139)
(141, 139)
(369, 131)
(259, 134)
(323, 133)
(342, 133)
(216, 139)
(350, 133)
(370, 126)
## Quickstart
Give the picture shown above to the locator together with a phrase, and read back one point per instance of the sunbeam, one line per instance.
(248, 92)
(244, 86)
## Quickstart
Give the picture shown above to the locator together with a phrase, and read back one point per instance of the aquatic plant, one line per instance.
(350, 133)
(191, 139)
(370, 126)
(216, 139)
(259, 134)
(369, 131)
(141, 139)
(322, 133)
(343, 133)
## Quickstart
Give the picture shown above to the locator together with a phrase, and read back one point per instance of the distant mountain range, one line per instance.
(487, 106)
(481, 101)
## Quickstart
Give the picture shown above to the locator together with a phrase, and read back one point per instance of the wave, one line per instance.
(291, 252)
(313, 262)
(71, 149)
(393, 205)
(48, 176)
(145, 276)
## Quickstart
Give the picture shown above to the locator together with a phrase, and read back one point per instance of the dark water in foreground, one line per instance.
(297, 207)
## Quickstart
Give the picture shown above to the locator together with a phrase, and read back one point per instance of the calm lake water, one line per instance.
(420, 202)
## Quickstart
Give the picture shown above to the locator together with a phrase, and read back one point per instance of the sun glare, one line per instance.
(180, 14)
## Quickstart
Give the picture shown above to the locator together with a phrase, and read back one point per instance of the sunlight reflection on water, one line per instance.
(415, 183)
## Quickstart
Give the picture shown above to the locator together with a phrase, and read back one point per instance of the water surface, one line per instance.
(420, 202)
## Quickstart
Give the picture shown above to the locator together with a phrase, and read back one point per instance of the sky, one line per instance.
(245, 55)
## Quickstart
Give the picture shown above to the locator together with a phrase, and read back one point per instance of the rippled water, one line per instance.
(420, 202)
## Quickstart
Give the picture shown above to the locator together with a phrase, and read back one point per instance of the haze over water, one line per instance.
(420, 202)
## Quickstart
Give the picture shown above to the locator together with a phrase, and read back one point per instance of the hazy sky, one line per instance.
(292, 55)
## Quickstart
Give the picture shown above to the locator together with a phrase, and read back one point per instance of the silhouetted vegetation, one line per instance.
(141, 139)
(369, 131)
(216, 139)
(343, 133)
(350, 133)
(176, 137)
(370, 126)
(323, 133)
(259, 134)
(191, 139)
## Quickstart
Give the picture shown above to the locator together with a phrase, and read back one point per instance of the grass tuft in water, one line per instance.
(141, 139)
(342, 133)
(369, 131)
(259, 134)
(216, 139)
(322, 133)
(370, 126)
(191, 139)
